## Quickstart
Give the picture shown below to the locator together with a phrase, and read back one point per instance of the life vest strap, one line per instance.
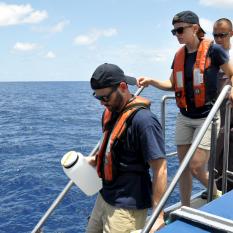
(199, 87)
(105, 159)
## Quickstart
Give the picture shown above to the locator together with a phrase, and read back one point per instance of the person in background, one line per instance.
(222, 33)
(194, 81)
(132, 143)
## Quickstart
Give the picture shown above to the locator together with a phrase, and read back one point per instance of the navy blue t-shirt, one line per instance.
(142, 142)
(218, 57)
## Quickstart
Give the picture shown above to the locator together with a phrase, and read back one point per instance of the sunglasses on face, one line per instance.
(179, 30)
(105, 98)
(221, 35)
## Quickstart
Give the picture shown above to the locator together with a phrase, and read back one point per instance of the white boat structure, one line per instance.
(205, 215)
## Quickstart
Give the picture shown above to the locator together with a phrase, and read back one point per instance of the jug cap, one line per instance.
(69, 159)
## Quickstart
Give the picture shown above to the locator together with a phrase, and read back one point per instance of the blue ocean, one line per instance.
(39, 123)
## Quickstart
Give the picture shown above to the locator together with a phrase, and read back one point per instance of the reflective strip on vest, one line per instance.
(179, 79)
(105, 163)
(202, 62)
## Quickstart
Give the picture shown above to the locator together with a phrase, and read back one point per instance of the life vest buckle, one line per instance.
(197, 91)
(178, 93)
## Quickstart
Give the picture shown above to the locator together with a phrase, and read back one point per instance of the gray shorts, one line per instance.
(188, 128)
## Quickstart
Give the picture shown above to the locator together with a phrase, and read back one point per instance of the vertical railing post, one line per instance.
(163, 112)
(186, 160)
(162, 115)
(212, 159)
(226, 146)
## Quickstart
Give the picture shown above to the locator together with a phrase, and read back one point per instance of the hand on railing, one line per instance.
(143, 81)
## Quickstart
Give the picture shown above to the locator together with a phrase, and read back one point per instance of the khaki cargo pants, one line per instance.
(109, 219)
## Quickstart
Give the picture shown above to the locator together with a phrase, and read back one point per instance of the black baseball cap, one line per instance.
(108, 75)
(187, 17)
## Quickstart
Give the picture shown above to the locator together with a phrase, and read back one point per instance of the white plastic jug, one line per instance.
(85, 176)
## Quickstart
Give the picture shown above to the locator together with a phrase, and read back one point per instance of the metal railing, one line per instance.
(184, 163)
(225, 170)
(163, 118)
(60, 197)
(186, 159)
(163, 111)
(212, 159)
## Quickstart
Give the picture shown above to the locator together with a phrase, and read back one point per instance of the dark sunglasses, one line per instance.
(221, 35)
(107, 97)
(179, 30)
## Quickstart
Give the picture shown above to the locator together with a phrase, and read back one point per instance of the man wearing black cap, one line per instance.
(132, 143)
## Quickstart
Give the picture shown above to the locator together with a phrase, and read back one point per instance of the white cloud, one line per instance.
(59, 27)
(94, 35)
(84, 40)
(145, 55)
(108, 32)
(19, 46)
(50, 55)
(217, 3)
(132, 54)
(206, 24)
(137, 59)
(20, 14)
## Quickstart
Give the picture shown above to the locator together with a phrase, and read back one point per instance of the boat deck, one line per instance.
(221, 207)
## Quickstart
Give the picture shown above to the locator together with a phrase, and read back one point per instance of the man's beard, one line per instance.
(117, 106)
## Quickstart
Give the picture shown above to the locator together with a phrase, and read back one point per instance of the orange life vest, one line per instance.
(105, 162)
(199, 88)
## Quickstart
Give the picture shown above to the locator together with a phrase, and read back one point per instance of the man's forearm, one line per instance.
(159, 183)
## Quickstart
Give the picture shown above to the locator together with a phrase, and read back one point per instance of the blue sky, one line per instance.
(65, 40)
